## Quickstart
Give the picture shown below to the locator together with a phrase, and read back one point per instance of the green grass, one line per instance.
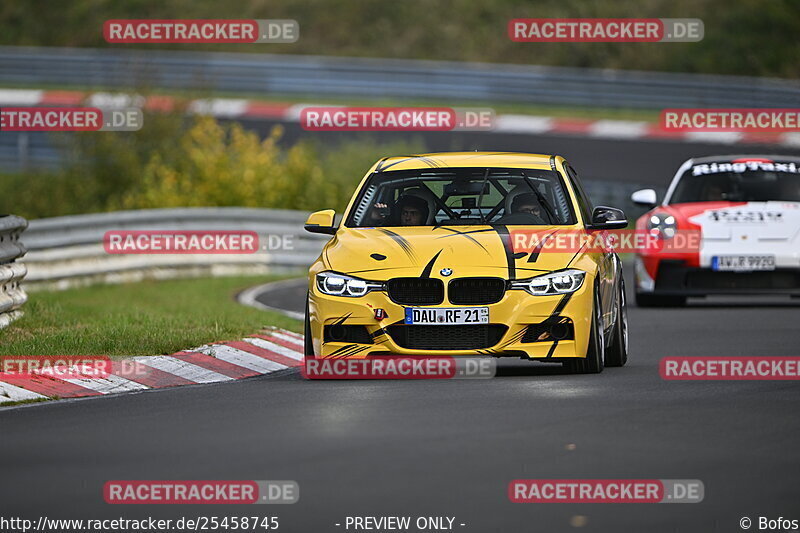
(23, 402)
(147, 318)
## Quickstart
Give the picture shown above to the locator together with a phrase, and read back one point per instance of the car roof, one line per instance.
(465, 159)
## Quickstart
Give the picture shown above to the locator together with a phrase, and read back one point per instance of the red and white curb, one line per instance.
(271, 351)
(231, 108)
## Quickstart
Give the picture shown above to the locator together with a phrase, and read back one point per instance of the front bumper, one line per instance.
(675, 277)
(519, 325)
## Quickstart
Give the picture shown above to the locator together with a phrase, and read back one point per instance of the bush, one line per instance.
(200, 162)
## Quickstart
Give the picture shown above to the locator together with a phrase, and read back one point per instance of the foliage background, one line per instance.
(747, 37)
(194, 162)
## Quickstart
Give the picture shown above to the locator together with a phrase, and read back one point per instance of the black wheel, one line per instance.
(617, 352)
(595, 352)
(308, 342)
(644, 299)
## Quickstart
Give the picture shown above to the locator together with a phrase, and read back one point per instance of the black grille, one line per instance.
(462, 337)
(476, 291)
(416, 291)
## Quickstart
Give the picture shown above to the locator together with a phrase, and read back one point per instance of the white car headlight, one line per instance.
(340, 285)
(561, 282)
(662, 225)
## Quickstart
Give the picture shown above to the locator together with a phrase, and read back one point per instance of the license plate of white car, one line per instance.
(743, 263)
(447, 316)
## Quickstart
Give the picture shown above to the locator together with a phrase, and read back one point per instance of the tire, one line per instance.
(595, 352)
(308, 342)
(644, 299)
(617, 352)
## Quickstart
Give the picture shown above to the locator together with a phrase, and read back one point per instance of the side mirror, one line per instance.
(608, 218)
(321, 222)
(645, 197)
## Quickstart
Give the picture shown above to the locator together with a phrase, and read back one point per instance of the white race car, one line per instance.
(747, 211)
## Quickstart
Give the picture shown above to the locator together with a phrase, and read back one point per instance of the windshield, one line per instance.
(467, 196)
(739, 182)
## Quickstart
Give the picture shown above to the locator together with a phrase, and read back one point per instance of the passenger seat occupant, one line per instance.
(526, 203)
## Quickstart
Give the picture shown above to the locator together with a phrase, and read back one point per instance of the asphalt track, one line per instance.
(450, 448)
(443, 448)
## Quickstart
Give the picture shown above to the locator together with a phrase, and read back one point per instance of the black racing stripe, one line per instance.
(408, 158)
(456, 232)
(514, 338)
(561, 305)
(400, 240)
(576, 254)
(430, 162)
(425, 160)
(340, 320)
(354, 351)
(343, 349)
(536, 251)
(380, 164)
(466, 234)
(347, 351)
(426, 272)
(552, 349)
(554, 317)
(505, 237)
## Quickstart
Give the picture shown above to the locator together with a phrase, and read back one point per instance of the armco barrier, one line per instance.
(68, 251)
(12, 295)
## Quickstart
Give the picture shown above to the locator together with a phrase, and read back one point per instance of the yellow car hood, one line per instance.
(383, 253)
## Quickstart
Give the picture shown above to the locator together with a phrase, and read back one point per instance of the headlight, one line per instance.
(561, 282)
(341, 285)
(662, 225)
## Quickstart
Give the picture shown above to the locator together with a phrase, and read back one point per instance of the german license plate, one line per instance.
(447, 316)
(743, 263)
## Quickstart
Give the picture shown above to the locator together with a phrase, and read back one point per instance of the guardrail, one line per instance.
(68, 251)
(12, 295)
(316, 76)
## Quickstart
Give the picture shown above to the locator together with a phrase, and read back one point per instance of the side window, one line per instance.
(584, 203)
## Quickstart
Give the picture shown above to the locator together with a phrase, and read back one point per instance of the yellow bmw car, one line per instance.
(425, 262)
